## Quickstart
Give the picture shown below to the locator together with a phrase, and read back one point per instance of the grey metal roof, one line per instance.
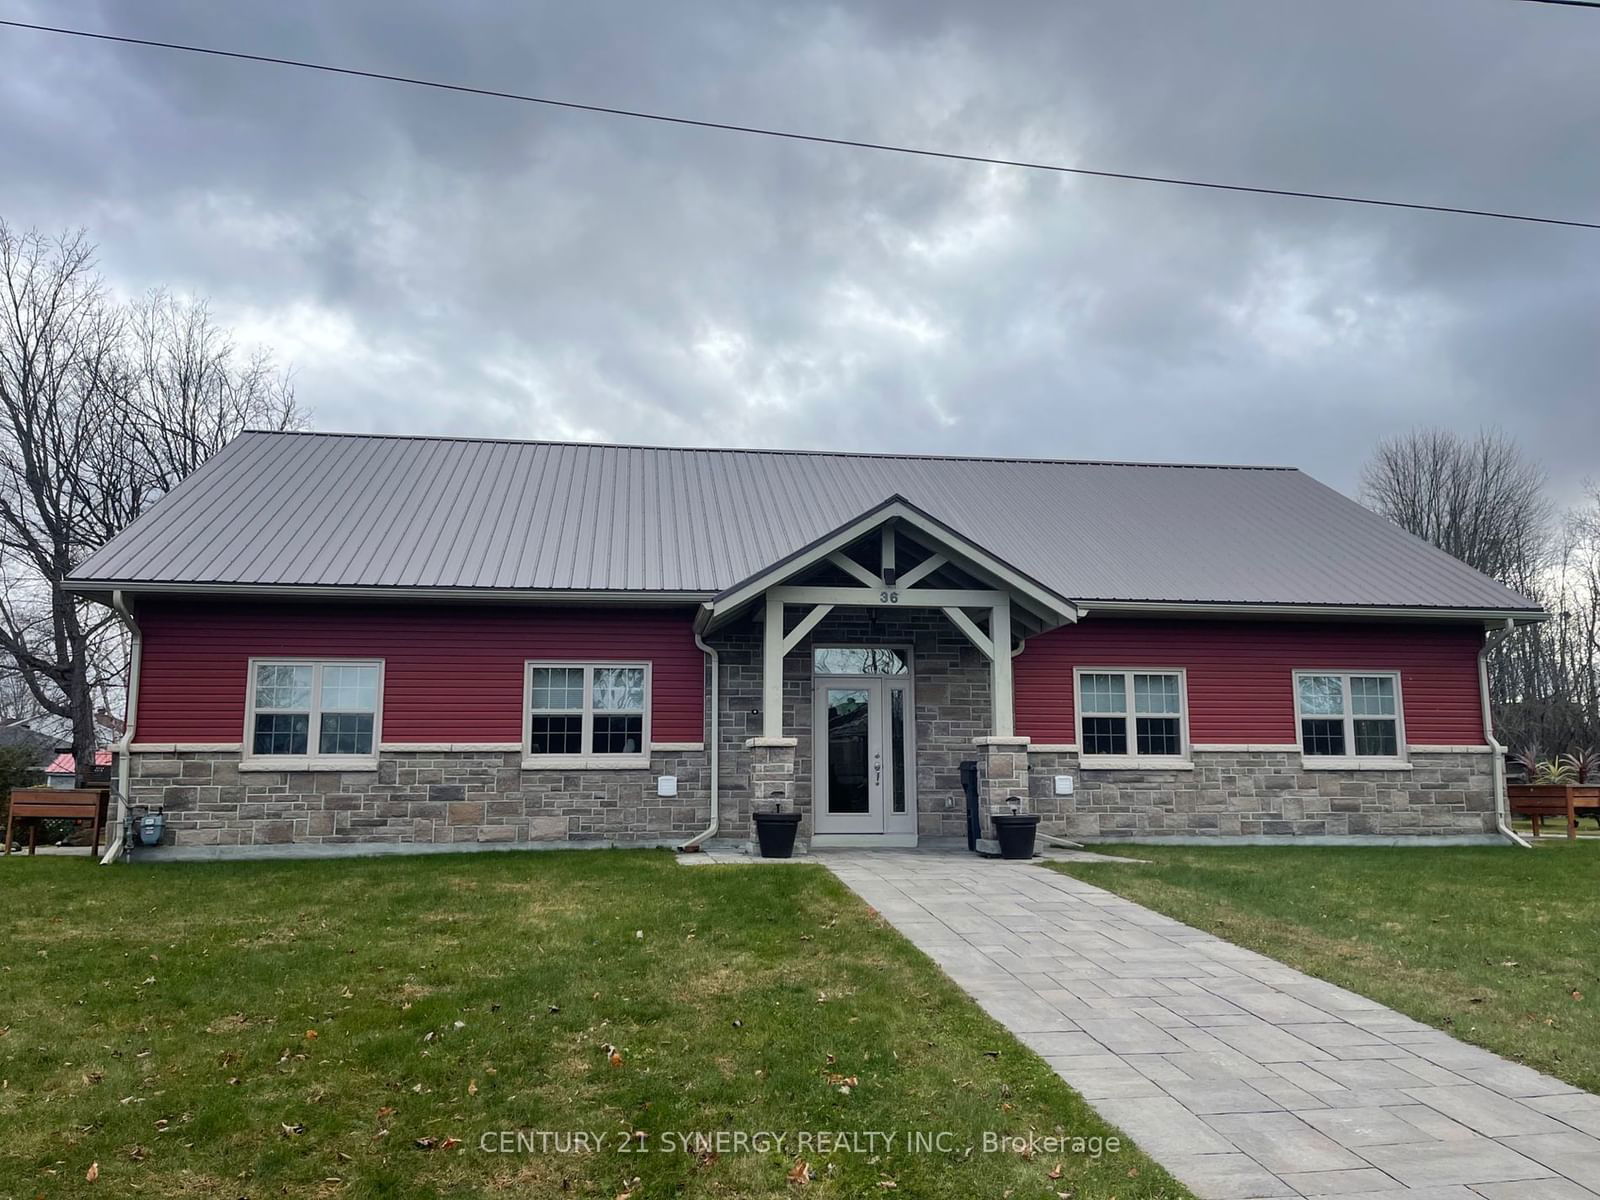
(341, 510)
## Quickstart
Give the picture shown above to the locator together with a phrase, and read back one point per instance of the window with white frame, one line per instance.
(1130, 714)
(1348, 715)
(312, 709)
(588, 709)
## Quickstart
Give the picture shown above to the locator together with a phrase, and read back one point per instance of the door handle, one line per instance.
(877, 768)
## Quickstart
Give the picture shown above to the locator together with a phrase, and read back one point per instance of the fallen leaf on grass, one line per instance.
(613, 1055)
(294, 1130)
(472, 1087)
(1054, 1172)
(1576, 994)
(801, 1172)
(311, 1035)
(93, 1172)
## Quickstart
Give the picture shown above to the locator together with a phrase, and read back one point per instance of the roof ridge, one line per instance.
(775, 450)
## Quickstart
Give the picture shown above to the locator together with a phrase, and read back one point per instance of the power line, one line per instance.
(1567, 3)
(819, 139)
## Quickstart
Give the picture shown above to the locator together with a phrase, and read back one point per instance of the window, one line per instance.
(1131, 715)
(1348, 716)
(581, 710)
(858, 660)
(314, 710)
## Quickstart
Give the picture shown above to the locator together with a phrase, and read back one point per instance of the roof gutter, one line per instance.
(714, 734)
(1501, 806)
(1521, 616)
(125, 744)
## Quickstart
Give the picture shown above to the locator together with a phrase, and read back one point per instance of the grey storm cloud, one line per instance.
(439, 263)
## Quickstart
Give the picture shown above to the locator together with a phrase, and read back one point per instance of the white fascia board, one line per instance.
(1243, 608)
(319, 591)
(945, 540)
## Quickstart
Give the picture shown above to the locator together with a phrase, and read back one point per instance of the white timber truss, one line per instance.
(888, 588)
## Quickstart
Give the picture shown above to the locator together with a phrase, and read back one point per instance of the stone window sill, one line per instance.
(584, 762)
(1117, 762)
(1354, 764)
(293, 763)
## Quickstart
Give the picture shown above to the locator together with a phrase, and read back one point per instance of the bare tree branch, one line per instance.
(104, 408)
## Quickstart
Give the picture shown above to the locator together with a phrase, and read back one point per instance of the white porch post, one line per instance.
(1000, 667)
(772, 669)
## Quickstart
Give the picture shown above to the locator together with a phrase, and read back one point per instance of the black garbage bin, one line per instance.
(1016, 832)
(969, 785)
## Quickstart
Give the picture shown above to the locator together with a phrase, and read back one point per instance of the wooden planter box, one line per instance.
(32, 805)
(1566, 800)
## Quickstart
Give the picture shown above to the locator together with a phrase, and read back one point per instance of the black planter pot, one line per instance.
(1015, 832)
(775, 832)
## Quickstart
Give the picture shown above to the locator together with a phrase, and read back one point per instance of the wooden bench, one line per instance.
(69, 804)
(1568, 801)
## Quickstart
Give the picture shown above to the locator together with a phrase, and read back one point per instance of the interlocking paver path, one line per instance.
(1243, 1077)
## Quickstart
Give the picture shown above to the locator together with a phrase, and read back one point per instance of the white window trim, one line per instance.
(310, 761)
(1352, 761)
(1133, 761)
(584, 761)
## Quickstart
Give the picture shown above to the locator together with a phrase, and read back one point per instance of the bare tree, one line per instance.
(1477, 498)
(104, 407)
(1483, 501)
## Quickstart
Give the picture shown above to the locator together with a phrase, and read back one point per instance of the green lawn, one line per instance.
(357, 1028)
(1496, 945)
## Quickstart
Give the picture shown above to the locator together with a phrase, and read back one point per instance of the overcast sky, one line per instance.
(431, 263)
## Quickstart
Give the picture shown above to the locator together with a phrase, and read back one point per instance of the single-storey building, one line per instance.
(346, 639)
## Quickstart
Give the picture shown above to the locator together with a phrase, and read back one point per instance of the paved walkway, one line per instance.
(1244, 1078)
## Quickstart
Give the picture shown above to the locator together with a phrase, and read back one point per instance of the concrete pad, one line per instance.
(1356, 1183)
(1478, 1161)
(1486, 1112)
(1160, 1125)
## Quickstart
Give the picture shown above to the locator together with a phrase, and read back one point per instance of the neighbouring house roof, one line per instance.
(403, 514)
(66, 764)
(22, 735)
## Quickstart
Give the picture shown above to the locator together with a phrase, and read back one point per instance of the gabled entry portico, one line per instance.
(893, 561)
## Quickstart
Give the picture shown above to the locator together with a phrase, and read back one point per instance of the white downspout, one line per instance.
(1496, 750)
(1060, 843)
(130, 716)
(715, 734)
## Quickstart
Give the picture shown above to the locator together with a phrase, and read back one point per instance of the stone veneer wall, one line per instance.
(1266, 794)
(419, 796)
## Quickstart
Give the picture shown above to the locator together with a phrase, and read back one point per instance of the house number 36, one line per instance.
(888, 597)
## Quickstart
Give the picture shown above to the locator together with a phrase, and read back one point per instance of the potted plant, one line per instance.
(775, 830)
(1015, 830)
(1566, 786)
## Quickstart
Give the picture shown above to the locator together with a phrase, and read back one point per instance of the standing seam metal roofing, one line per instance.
(357, 510)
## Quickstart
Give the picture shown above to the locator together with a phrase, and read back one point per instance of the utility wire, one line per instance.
(1567, 3)
(790, 135)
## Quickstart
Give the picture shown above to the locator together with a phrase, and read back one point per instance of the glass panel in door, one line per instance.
(849, 716)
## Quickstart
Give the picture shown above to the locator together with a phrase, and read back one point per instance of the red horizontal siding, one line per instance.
(451, 673)
(1240, 674)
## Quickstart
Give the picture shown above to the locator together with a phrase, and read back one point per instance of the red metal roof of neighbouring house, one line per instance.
(66, 764)
(438, 514)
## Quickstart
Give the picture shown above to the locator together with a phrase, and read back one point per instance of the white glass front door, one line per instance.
(864, 773)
